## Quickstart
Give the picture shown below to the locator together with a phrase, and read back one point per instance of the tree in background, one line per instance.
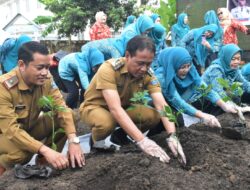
(71, 16)
(167, 11)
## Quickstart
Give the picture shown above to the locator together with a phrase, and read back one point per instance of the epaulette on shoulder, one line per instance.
(150, 72)
(117, 64)
(11, 82)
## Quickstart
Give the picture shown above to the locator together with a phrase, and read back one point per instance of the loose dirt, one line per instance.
(215, 161)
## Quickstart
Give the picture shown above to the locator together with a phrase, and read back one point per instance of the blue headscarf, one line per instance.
(200, 51)
(130, 20)
(89, 58)
(142, 24)
(180, 28)
(225, 56)
(245, 70)
(158, 34)
(211, 18)
(171, 59)
(154, 17)
(10, 59)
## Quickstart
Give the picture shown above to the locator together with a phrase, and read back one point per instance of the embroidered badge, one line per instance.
(9, 83)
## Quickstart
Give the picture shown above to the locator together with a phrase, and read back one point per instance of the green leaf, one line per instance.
(54, 146)
(130, 108)
(60, 130)
(224, 83)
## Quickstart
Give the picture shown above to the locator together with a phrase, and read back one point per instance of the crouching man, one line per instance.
(23, 129)
(109, 95)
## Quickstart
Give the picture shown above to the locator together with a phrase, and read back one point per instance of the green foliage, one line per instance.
(139, 98)
(172, 116)
(167, 11)
(232, 91)
(48, 104)
(203, 90)
(43, 19)
(71, 16)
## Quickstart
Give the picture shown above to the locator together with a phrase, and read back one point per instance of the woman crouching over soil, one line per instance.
(181, 86)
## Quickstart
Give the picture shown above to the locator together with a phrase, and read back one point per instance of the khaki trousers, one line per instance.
(103, 124)
(10, 154)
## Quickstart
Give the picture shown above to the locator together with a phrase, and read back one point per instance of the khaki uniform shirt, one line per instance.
(113, 74)
(19, 109)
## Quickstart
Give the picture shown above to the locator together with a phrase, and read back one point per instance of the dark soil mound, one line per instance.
(214, 162)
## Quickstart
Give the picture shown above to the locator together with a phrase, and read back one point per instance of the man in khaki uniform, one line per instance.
(23, 129)
(109, 94)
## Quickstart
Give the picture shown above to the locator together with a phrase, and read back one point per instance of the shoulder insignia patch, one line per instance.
(151, 72)
(117, 64)
(11, 82)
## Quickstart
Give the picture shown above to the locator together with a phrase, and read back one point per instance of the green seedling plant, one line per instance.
(50, 108)
(232, 91)
(204, 90)
(172, 116)
(139, 98)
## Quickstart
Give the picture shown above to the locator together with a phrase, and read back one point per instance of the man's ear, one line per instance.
(21, 65)
(127, 54)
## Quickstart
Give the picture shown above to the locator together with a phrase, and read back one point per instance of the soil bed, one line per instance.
(214, 162)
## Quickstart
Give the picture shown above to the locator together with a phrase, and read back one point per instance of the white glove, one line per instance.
(239, 110)
(175, 146)
(210, 120)
(229, 107)
(244, 109)
(150, 147)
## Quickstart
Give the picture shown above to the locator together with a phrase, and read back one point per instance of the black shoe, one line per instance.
(119, 137)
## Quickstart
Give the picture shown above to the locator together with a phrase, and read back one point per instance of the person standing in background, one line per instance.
(100, 29)
(179, 30)
(230, 26)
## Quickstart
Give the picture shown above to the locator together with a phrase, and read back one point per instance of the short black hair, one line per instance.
(140, 43)
(27, 50)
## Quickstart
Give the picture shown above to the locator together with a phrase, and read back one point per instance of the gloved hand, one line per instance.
(210, 120)
(239, 110)
(150, 147)
(175, 146)
(244, 109)
(229, 107)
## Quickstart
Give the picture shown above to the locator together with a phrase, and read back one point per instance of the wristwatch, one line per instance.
(74, 140)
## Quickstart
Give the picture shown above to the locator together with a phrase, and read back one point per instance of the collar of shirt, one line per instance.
(21, 84)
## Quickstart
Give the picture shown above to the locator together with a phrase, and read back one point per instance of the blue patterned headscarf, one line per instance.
(225, 56)
(142, 24)
(180, 28)
(171, 59)
(200, 50)
(211, 18)
(158, 33)
(130, 20)
(89, 58)
(154, 17)
(11, 55)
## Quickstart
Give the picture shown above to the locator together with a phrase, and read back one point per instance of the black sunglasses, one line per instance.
(219, 13)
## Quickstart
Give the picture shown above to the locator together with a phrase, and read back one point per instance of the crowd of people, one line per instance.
(102, 78)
